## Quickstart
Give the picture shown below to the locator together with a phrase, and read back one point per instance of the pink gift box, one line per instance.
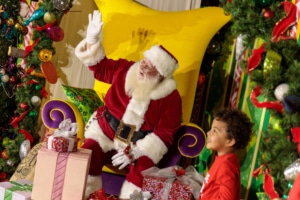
(9, 191)
(60, 176)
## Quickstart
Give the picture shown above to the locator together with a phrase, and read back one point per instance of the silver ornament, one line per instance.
(291, 172)
(24, 149)
(61, 4)
(35, 100)
(239, 46)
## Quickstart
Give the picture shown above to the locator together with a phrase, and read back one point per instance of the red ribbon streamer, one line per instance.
(268, 185)
(27, 135)
(29, 49)
(267, 104)
(16, 120)
(283, 25)
(41, 28)
(296, 134)
(255, 58)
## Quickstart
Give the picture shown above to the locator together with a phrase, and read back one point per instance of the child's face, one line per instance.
(217, 138)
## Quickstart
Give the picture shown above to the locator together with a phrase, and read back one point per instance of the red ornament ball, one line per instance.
(268, 13)
(24, 106)
(4, 154)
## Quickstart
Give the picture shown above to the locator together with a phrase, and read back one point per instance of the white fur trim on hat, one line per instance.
(146, 146)
(162, 59)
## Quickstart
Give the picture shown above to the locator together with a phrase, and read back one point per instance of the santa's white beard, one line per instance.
(139, 86)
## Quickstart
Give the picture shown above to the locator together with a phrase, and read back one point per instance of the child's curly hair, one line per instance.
(239, 126)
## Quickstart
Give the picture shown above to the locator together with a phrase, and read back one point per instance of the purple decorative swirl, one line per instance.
(192, 141)
(55, 111)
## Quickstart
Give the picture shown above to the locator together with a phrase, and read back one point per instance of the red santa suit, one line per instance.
(158, 112)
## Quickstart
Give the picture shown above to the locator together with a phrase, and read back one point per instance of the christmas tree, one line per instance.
(273, 68)
(26, 42)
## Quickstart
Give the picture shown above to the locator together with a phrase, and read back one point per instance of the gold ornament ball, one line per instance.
(45, 55)
(10, 22)
(49, 18)
(18, 26)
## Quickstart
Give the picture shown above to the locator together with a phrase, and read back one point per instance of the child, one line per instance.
(231, 129)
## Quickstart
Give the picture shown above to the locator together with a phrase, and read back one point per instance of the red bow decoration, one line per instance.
(179, 172)
(285, 23)
(268, 185)
(16, 120)
(100, 195)
(267, 104)
(255, 58)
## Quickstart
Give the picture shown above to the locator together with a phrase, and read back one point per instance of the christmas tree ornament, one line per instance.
(10, 163)
(24, 30)
(271, 62)
(291, 103)
(4, 154)
(49, 17)
(18, 26)
(201, 79)
(24, 149)
(5, 78)
(37, 14)
(10, 22)
(61, 4)
(5, 141)
(24, 106)
(268, 14)
(49, 72)
(2, 71)
(45, 55)
(12, 80)
(33, 114)
(55, 33)
(280, 91)
(291, 172)
(240, 48)
(35, 100)
(37, 87)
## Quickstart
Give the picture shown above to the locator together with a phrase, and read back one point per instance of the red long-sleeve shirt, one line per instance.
(222, 180)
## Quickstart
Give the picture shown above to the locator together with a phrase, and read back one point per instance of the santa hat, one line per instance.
(162, 59)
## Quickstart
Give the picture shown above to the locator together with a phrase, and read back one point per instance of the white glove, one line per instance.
(121, 159)
(94, 27)
(126, 156)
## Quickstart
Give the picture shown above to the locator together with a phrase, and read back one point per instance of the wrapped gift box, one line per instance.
(60, 176)
(157, 187)
(172, 183)
(16, 190)
(62, 144)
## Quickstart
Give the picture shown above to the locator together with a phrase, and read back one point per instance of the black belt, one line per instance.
(124, 132)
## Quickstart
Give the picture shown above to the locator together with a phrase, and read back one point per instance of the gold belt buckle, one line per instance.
(121, 131)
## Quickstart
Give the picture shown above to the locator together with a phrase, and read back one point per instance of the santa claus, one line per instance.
(141, 112)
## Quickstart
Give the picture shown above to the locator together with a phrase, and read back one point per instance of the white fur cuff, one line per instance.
(91, 56)
(146, 146)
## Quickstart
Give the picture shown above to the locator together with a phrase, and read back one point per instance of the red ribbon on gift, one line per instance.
(281, 27)
(255, 58)
(268, 185)
(267, 104)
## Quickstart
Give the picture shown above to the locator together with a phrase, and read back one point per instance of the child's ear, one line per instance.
(231, 142)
